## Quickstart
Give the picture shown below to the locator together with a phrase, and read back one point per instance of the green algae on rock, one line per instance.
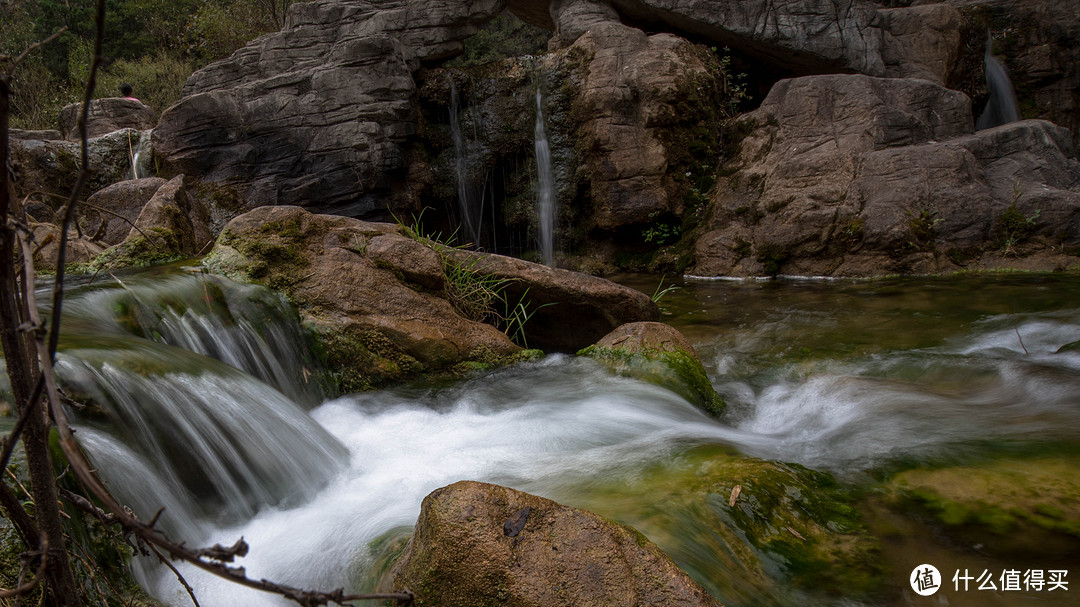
(766, 532)
(658, 354)
(1027, 506)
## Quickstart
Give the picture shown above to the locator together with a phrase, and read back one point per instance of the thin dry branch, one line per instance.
(17, 60)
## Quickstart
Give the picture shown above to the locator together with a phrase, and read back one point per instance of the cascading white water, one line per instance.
(545, 187)
(1002, 107)
(320, 496)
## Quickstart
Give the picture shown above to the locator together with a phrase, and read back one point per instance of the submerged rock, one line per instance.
(751, 531)
(479, 544)
(659, 354)
(1010, 507)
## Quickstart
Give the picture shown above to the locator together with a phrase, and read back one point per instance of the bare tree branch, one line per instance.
(17, 60)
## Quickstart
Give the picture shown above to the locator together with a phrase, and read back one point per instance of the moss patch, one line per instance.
(363, 360)
(677, 371)
(137, 252)
(1018, 506)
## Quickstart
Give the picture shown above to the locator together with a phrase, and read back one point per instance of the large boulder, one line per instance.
(173, 224)
(803, 36)
(105, 116)
(49, 168)
(375, 297)
(480, 544)
(659, 354)
(566, 310)
(109, 214)
(852, 175)
(318, 114)
(646, 103)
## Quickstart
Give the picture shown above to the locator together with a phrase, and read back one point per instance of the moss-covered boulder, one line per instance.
(172, 225)
(1010, 507)
(751, 531)
(477, 544)
(375, 297)
(659, 354)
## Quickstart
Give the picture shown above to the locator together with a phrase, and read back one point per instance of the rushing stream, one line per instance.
(211, 406)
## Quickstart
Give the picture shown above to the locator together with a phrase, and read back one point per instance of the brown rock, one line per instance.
(47, 247)
(110, 213)
(105, 116)
(372, 293)
(850, 175)
(637, 93)
(479, 544)
(569, 310)
(174, 220)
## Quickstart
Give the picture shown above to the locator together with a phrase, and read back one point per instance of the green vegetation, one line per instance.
(1011, 506)
(152, 44)
(475, 294)
(1015, 228)
(504, 36)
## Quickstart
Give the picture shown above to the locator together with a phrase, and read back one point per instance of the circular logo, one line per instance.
(925, 580)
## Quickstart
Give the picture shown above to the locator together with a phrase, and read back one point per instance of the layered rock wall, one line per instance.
(318, 114)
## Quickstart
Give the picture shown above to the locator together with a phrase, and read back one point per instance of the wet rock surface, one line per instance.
(477, 544)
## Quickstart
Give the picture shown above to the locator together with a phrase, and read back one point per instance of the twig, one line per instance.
(176, 572)
(1021, 340)
(16, 61)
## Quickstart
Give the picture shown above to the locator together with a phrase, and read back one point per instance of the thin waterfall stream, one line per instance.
(207, 401)
(1002, 106)
(545, 187)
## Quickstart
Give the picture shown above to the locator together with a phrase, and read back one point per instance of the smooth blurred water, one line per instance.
(848, 377)
(545, 186)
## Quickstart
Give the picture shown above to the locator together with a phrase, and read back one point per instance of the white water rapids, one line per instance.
(353, 470)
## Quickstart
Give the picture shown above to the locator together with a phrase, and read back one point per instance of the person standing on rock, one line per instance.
(125, 92)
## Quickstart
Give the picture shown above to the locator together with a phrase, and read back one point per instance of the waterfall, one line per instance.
(139, 154)
(216, 442)
(545, 195)
(471, 215)
(1002, 106)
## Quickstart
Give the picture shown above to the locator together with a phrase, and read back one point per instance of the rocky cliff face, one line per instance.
(853, 175)
(335, 114)
(318, 114)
